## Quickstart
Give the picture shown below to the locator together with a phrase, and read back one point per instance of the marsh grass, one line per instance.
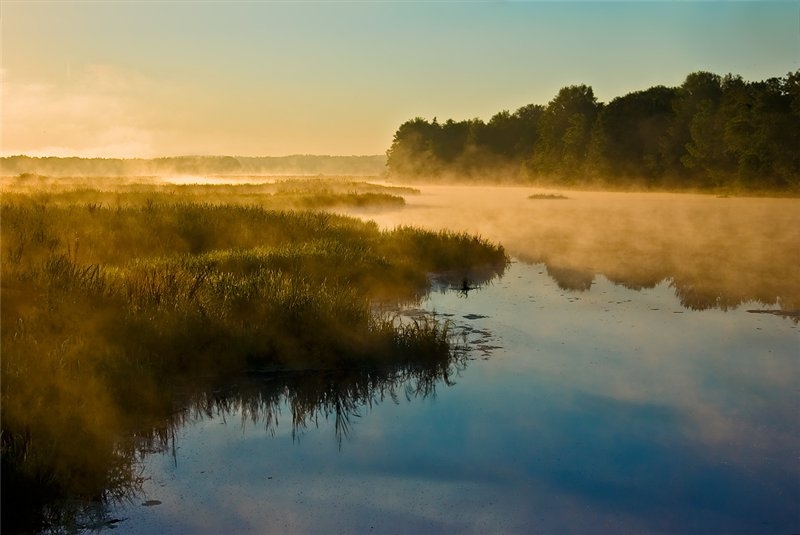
(109, 310)
(285, 193)
(548, 197)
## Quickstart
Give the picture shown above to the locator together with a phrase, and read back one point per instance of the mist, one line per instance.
(201, 167)
(276, 267)
(136, 296)
(716, 252)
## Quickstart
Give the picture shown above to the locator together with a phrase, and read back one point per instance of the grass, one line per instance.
(295, 193)
(110, 308)
(548, 196)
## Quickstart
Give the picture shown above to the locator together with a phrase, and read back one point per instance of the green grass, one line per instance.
(107, 307)
(294, 193)
(547, 196)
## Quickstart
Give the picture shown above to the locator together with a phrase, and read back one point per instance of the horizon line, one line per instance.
(195, 156)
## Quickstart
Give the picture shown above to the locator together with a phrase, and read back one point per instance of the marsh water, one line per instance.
(634, 370)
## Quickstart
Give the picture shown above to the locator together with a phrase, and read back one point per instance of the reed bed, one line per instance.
(107, 308)
(294, 193)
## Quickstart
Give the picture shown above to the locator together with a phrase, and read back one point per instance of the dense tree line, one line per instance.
(710, 131)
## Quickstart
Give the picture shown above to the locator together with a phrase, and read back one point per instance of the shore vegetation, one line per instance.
(120, 304)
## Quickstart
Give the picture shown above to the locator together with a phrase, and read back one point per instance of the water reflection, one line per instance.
(571, 279)
(651, 420)
(714, 252)
(697, 294)
(706, 292)
(596, 412)
(339, 395)
(261, 398)
(605, 406)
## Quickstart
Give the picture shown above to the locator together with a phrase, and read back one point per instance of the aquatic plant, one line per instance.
(286, 193)
(548, 196)
(109, 312)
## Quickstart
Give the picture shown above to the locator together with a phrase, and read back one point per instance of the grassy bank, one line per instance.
(110, 309)
(283, 193)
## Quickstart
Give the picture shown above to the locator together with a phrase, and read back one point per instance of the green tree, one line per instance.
(778, 130)
(700, 93)
(412, 151)
(760, 131)
(566, 126)
(710, 131)
(528, 124)
(452, 140)
(629, 131)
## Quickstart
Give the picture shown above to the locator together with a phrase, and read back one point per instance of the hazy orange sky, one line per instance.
(147, 79)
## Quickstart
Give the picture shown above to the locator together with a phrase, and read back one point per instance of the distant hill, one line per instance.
(301, 164)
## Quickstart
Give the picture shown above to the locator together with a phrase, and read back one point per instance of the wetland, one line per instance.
(373, 365)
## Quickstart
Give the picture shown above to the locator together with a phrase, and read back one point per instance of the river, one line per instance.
(634, 370)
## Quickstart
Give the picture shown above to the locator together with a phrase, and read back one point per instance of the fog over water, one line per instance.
(713, 251)
(617, 382)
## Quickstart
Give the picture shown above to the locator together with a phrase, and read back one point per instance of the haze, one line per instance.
(714, 252)
(145, 79)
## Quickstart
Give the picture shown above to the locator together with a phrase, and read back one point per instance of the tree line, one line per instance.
(299, 164)
(711, 131)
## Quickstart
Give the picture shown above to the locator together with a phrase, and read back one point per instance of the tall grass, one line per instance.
(106, 310)
(295, 193)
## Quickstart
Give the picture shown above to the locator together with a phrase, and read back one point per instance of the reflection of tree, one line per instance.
(704, 294)
(694, 290)
(715, 253)
(637, 279)
(571, 279)
(696, 297)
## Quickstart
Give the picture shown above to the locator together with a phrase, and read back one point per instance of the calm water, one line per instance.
(657, 403)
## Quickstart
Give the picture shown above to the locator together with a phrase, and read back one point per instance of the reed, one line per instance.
(295, 193)
(105, 309)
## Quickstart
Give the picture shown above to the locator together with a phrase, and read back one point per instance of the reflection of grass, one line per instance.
(106, 307)
(339, 393)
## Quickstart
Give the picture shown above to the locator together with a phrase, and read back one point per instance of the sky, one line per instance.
(148, 79)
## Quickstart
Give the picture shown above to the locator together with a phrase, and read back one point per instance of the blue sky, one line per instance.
(274, 78)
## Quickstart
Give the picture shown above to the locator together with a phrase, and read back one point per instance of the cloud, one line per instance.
(102, 110)
(97, 112)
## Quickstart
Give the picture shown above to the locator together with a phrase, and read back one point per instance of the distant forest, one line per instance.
(710, 132)
(195, 165)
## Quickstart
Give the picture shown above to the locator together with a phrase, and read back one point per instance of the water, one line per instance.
(656, 403)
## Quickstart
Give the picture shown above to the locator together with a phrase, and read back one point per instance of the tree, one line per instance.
(528, 123)
(710, 131)
(452, 140)
(629, 133)
(700, 92)
(412, 150)
(566, 127)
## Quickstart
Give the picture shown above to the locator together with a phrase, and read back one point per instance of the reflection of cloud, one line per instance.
(99, 113)
(317, 494)
(636, 425)
(702, 394)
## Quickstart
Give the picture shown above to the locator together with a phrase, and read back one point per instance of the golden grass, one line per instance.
(106, 306)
